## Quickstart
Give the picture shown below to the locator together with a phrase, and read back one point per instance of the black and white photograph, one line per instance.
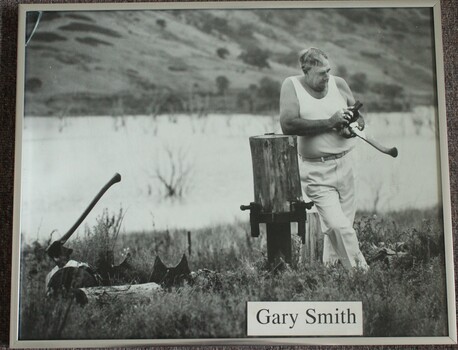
(231, 173)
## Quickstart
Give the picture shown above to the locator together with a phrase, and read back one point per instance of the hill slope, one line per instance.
(149, 62)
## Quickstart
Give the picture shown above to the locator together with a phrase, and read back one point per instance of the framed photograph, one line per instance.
(228, 173)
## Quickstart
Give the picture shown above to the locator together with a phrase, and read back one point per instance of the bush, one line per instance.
(388, 91)
(33, 84)
(93, 41)
(161, 23)
(290, 59)
(91, 28)
(269, 93)
(255, 56)
(358, 82)
(48, 37)
(392, 97)
(218, 24)
(222, 52)
(222, 84)
(97, 245)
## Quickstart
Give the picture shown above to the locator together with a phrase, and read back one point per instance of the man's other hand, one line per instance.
(340, 118)
(347, 133)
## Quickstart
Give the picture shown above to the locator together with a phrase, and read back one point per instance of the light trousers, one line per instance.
(330, 185)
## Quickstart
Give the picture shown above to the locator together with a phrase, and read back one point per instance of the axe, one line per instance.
(56, 248)
(393, 151)
(356, 131)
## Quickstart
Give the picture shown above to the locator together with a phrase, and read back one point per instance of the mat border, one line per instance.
(444, 169)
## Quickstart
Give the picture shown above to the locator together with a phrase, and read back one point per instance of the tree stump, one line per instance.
(276, 186)
(275, 172)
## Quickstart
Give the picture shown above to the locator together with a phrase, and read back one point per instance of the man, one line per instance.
(314, 106)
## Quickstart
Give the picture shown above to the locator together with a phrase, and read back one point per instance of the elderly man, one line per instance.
(314, 106)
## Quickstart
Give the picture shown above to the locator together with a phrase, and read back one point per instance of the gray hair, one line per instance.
(311, 57)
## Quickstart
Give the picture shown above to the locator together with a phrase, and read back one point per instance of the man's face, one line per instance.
(318, 76)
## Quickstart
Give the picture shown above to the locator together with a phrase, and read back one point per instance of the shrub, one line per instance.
(245, 30)
(289, 59)
(255, 56)
(48, 37)
(97, 245)
(161, 23)
(222, 52)
(358, 82)
(269, 93)
(93, 41)
(33, 84)
(92, 28)
(391, 97)
(222, 84)
(389, 91)
(218, 24)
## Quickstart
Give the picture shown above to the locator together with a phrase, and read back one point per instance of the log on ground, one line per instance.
(108, 294)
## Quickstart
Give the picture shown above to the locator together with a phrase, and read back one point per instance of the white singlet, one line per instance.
(311, 108)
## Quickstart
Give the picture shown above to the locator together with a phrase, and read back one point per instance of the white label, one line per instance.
(300, 318)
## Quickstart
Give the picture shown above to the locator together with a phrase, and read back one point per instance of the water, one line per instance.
(66, 162)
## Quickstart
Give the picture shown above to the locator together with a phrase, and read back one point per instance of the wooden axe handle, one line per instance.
(393, 151)
(115, 179)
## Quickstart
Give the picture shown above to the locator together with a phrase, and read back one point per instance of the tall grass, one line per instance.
(403, 296)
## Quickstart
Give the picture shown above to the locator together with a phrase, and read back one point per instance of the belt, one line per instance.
(325, 158)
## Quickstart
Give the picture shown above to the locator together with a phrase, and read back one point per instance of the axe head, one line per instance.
(169, 276)
(57, 251)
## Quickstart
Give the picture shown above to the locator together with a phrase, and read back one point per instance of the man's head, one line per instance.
(316, 68)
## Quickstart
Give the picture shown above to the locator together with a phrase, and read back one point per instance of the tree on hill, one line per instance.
(255, 56)
(161, 23)
(269, 93)
(213, 23)
(222, 52)
(222, 84)
(358, 82)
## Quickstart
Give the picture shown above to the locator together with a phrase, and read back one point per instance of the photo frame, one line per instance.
(61, 93)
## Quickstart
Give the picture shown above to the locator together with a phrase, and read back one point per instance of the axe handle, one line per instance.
(393, 151)
(116, 178)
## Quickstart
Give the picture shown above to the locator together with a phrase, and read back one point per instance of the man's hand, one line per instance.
(347, 133)
(340, 119)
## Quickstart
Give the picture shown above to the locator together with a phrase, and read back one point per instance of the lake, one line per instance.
(67, 160)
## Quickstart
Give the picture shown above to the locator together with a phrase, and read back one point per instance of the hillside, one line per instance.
(149, 62)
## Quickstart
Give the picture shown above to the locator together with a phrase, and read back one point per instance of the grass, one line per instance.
(401, 296)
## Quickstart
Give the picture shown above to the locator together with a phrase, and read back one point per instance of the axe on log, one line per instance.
(56, 249)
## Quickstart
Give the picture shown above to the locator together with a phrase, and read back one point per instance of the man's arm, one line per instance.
(291, 122)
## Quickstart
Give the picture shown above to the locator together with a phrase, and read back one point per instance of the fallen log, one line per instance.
(109, 294)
